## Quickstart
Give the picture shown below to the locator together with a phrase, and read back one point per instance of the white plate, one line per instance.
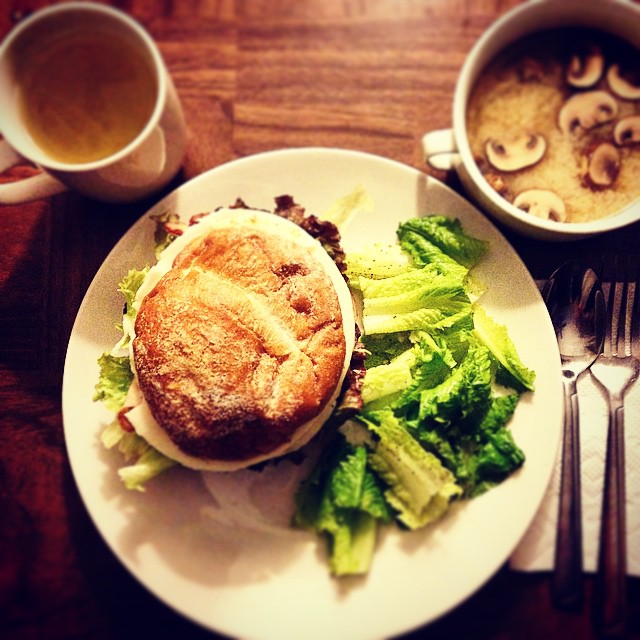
(256, 585)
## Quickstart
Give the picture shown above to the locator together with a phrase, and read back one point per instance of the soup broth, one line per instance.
(559, 113)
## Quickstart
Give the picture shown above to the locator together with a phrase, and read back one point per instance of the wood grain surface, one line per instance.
(253, 75)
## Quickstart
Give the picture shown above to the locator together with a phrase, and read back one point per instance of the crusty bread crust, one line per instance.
(239, 344)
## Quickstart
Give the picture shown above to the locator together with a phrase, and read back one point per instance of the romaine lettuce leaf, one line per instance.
(430, 320)
(127, 442)
(449, 297)
(497, 455)
(448, 236)
(353, 538)
(433, 364)
(378, 261)
(343, 500)
(382, 348)
(497, 339)
(146, 462)
(397, 284)
(150, 464)
(129, 286)
(464, 394)
(480, 458)
(389, 379)
(114, 381)
(419, 487)
(424, 252)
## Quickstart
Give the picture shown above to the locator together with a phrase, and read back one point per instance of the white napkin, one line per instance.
(536, 550)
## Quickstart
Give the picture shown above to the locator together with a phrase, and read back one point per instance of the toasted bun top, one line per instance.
(243, 336)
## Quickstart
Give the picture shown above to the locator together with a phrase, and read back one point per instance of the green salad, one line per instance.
(442, 381)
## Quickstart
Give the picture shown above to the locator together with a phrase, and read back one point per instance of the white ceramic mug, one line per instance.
(449, 149)
(143, 164)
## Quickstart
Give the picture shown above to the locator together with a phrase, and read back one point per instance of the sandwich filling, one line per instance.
(243, 336)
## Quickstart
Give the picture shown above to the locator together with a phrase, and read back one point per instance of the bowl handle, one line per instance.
(440, 149)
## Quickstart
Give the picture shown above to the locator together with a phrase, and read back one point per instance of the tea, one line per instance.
(85, 95)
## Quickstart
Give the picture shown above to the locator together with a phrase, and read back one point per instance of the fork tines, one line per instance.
(620, 282)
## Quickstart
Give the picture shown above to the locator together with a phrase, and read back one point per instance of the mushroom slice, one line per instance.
(604, 166)
(627, 130)
(586, 66)
(586, 111)
(542, 204)
(516, 153)
(625, 86)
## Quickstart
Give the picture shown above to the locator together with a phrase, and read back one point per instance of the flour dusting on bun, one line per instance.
(243, 336)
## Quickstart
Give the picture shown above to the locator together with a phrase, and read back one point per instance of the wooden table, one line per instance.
(253, 75)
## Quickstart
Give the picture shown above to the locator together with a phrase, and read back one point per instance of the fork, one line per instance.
(615, 370)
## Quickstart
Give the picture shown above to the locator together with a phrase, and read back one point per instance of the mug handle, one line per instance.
(440, 149)
(33, 188)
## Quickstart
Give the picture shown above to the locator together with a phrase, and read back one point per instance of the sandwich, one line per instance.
(240, 338)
